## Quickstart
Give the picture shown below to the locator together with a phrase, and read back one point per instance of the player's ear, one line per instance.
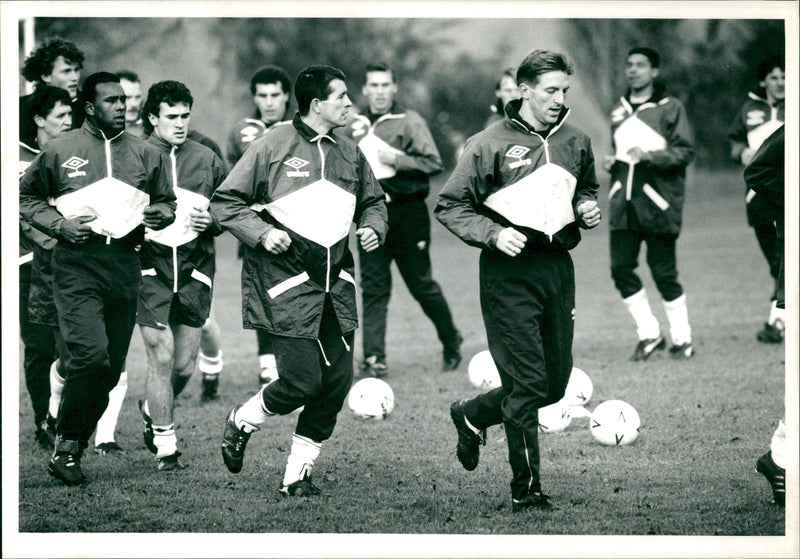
(89, 108)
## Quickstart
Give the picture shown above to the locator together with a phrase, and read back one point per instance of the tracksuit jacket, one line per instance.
(313, 186)
(755, 121)
(83, 157)
(194, 168)
(407, 131)
(28, 236)
(648, 196)
(243, 133)
(510, 176)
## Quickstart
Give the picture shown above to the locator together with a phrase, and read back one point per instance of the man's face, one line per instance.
(545, 99)
(133, 101)
(380, 90)
(172, 122)
(108, 108)
(335, 108)
(774, 83)
(508, 90)
(270, 99)
(57, 121)
(639, 73)
(65, 75)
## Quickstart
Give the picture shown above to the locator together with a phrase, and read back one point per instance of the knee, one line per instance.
(87, 357)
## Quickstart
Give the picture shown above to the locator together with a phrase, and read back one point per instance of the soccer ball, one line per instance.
(614, 423)
(555, 417)
(579, 388)
(483, 372)
(371, 398)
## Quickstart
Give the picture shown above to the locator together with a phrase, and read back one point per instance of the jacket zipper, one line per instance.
(328, 249)
(174, 161)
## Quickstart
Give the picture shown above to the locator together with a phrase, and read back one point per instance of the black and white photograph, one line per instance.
(387, 279)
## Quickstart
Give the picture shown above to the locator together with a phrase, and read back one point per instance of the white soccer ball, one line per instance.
(579, 388)
(371, 398)
(614, 423)
(555, 417)
(483, 372)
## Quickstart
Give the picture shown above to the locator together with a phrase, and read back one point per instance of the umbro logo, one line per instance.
(518, 152)
(296, 163)
(249, 133)
(74, 163)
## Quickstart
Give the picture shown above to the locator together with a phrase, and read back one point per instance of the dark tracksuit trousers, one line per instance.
(40, 349)
(770, 239)
(96, 288)
(528, 305)
(625, 246)
(408, 244)
(316, 374)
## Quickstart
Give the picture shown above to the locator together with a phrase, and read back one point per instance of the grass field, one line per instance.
(705, 422)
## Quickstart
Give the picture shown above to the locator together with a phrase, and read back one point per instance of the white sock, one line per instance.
(778, 446)
(777, 317)
(146, 408)
(301, 459)
(56, 387)
(165, 440)
(107, 423)
(646, 323)
(678, 317)
(209, 365)
(267, 361)
(252, 414)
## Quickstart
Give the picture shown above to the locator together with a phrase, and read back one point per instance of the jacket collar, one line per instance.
(307, 132)
(29, 148)
(761, 95)
(162, 144)
(659, 92)
(512, 114)
(395, 109)
(93, 130)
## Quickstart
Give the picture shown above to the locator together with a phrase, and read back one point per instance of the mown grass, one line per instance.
(691, 472)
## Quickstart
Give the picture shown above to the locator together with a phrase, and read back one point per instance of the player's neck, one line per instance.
(317, 124)
(638, 96)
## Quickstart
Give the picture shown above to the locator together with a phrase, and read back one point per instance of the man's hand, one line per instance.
(747, 156)
(637, 154)
(368, 238)
(510, 241)
(155, 217)
(607, 162)
(75, 229)
(589, 213)
(388, 156)
(200, 219)
(277, 241)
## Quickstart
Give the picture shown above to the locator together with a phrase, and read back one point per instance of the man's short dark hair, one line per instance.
(540, 62)
(650, 54)
(128, 75)
(270, 74)
(769, 64)
(169, 92)
(314, 83)
(45, 98)
(41, 60)
(379, 67)
(90, 85)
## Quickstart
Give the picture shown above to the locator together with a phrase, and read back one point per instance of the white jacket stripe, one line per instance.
(287, 284)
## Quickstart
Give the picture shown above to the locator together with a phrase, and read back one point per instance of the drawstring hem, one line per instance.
(325, 357)
(347, 347)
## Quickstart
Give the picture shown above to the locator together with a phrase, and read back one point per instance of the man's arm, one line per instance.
(161, 211)
(737, 136)
(459, 198)
(584, 202)
(419, 150)
(230, 204)
(765, 174)
(35, 187)
(370, 206)
(680, 142)
(218, 174)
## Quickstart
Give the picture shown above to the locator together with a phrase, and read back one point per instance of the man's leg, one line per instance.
(39, 354)
(624, 260)
(104, 437)
(376, 289)
(414, 265)
(210, 359)
(186, 341)
(663, 265)
(268, 368)
(318, 418)
(160, 349)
